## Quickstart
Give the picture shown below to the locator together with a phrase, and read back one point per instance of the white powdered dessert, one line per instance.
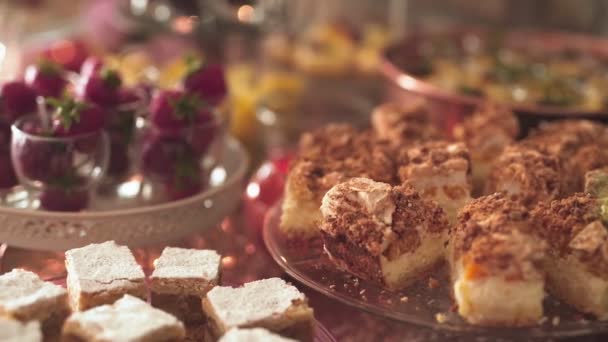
(269, 303)
(101, 273)
(16, 331)
(25, 297)
(252, 335)
(129, 319)
(180, 280)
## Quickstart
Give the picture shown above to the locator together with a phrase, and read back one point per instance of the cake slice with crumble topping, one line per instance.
(439, 171)
(328, 156)
(496, 264)
(390, 235)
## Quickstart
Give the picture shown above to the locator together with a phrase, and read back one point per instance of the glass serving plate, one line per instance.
(426, 303)
(130, 213)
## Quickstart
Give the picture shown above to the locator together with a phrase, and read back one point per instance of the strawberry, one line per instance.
(17, 99)
(206, 80)
(46, 78)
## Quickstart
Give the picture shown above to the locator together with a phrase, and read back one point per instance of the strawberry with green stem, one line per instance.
(100, 87)
(73, 117)
(47, 78)
(205, 79)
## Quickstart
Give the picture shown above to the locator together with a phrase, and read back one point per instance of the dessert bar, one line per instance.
(16, 331)
(327, 156)
(25, 297)
(180, 280)
(252, 335)
(577, 269)
(439, 171)
(404, 124)
(496, 264)
(129, 319)
(486, 133)
(526, 174)
(270, 303)
(100, 274)
(390, 235)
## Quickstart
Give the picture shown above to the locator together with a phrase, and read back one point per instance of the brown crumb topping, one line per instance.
(488, 130)
(525, 174)
(573, 226)
(404, 123)
(494, 234)
(433, 158)
(335, 153)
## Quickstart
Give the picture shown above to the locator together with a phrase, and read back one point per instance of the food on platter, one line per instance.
(180, 280)
(27, 298)
(102, 273)
(252, 335)
(270, 303)
(327, 156)
(390, 235)
(439, 171)
(128, 319)
(404, 124)
(577, 264)
(486, 133)
(528, 174)
(496, 263)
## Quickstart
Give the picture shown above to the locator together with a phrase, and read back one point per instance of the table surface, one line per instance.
(245, 259)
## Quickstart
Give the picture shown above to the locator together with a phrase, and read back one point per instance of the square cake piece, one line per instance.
(270, 303)
(129, 319)
(181, 278)
(486, 133)
(577, 267)
(102, 273)
(386, 234)
(16, 331)
(496, 263)
(327, 156)
(25, 297)
(439, 171)
(405, 124)
(252, 335)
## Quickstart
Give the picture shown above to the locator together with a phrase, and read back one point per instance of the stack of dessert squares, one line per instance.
(514, 216)
(107, 300)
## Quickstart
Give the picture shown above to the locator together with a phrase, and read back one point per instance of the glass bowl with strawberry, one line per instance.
(60, 158)
(103, 86)
(179, 145)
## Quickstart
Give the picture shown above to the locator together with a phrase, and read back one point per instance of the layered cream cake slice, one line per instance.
(252, 335)
(390, 235)
(496, 264)
(581, 146)
(577, 269)
(526, 174)
(327, 156)
(439, 171)
(16, 331)
(486, 133)
(405, 123)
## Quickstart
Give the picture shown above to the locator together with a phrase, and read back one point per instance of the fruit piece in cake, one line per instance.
(328, 156)
(495, 264)
(527, 174)
(440, 171)
(404, 123)
(390, 235)
(577, 269)
(486, 133)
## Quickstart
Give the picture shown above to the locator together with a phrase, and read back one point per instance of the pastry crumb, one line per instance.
(441, 317)
(404, 299)
(433, 283)
(555, 321)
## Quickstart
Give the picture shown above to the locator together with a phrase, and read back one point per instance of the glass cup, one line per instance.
(61, 171)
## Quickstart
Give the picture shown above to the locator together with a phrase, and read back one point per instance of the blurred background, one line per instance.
(270, 77)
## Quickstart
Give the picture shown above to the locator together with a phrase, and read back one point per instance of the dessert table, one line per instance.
(245, 259)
